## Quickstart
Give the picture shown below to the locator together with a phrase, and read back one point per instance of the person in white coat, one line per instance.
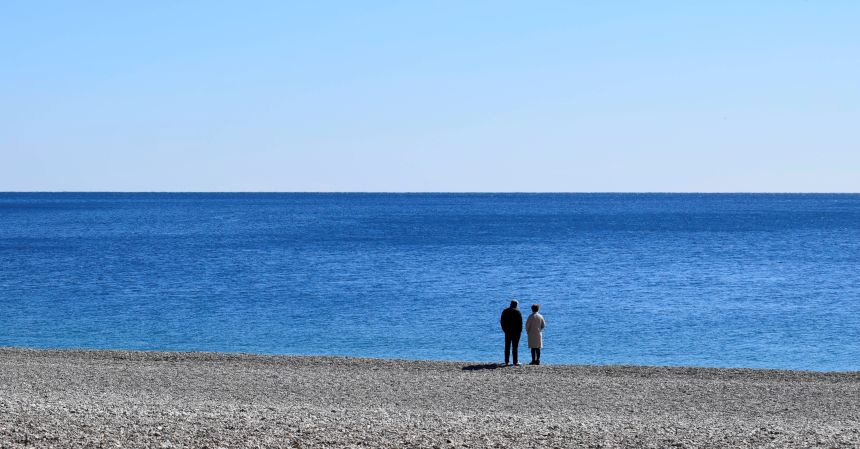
(534, 328)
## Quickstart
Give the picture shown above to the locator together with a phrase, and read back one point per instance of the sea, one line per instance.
(711, 280)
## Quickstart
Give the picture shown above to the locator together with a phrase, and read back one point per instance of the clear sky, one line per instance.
(430, 96)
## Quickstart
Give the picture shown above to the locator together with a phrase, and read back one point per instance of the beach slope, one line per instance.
(76, 398)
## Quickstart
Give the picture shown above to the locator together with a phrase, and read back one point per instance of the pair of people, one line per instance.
(512, 325)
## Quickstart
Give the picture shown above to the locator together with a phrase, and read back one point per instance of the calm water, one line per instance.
(706, 280)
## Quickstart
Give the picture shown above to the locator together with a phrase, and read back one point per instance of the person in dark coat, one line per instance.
(512, 325)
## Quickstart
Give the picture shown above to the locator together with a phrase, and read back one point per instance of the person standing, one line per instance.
(534, 328)
(512, 325)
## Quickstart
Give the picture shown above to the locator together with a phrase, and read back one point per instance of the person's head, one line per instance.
(514, 304)
(535, 308)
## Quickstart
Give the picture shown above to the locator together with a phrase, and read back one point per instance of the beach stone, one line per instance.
(80, 399)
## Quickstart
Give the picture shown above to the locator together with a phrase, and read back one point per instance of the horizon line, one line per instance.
(452, 192)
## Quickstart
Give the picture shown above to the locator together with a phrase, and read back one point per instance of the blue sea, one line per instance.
(718, 280)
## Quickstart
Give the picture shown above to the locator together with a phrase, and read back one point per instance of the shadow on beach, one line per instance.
(482, 367)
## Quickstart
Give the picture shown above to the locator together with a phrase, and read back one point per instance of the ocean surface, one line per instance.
(724, 280)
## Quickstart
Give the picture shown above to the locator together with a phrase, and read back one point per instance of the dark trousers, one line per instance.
(512, 341)
(535, 354)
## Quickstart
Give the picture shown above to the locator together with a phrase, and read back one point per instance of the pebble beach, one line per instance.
(88, 399)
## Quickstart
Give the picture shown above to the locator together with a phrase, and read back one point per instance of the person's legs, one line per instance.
(508, 350)
(515, 343)
(534, 358)
(537, 356)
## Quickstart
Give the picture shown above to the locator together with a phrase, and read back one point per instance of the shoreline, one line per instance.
(80, 398)
(226, 355)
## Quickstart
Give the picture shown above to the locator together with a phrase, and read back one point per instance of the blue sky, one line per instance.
(718, 96)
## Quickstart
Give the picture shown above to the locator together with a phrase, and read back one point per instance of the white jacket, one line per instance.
(534, 325)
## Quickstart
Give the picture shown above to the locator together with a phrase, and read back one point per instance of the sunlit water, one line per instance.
(658, 279)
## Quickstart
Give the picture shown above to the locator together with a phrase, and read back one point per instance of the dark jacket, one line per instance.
(512, 321)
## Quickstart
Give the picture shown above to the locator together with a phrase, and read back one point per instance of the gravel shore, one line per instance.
(74, 398)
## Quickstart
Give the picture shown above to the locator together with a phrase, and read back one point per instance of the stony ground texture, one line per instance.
(166, 400)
